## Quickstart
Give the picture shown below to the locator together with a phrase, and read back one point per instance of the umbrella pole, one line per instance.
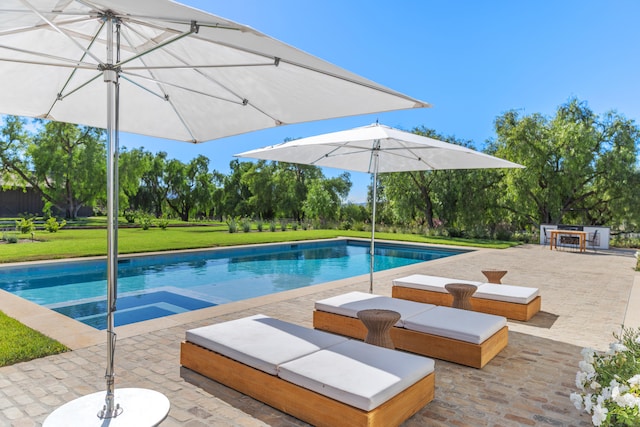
(111, 78)
(373, 219)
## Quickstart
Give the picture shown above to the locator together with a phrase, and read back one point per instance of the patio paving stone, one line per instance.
(585, 299)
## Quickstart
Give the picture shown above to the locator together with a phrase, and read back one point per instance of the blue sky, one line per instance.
(473, 60)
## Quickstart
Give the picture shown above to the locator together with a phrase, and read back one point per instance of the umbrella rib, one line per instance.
(178, 67)
(166, 96)
(36, 27)
(140, 56)
(65, 62)
(193, 29)
(73, 73)
(58, 29)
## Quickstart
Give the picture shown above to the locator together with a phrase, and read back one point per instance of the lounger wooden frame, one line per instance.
(451, 350)
(300, 402)
(510, 310)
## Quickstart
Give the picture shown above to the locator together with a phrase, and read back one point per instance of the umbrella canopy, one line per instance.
(397, 151)
(184, 74)
(377, 149)
(158, 68)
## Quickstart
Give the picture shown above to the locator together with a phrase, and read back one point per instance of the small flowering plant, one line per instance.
(609, 383)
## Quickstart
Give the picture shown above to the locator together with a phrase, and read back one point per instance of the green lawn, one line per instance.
(18, 343)
(72, 243)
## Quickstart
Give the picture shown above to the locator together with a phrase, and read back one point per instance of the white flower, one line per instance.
(587, 354)
(581, 378)
(634, 380)
(615, 391)
(627, 400)
(588, 403)
(595, 385)
(577, 400)
(616, 347)
(586, 367)
(599, 415)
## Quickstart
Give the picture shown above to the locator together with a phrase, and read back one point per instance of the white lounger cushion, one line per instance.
(430, 283)
(350, 303)
(515, 294)
(356, 373)
(261, 342)
(497, 292)
(462, 325)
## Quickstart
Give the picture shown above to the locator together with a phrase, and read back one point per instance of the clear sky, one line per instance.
(473, 60)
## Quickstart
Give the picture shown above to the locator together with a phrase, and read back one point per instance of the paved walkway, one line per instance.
(585, 298)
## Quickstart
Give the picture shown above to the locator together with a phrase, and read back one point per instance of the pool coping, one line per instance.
(76, 335)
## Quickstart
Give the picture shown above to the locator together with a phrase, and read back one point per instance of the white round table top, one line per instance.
(140, 408)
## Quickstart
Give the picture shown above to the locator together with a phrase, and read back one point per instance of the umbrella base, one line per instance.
(140, 407)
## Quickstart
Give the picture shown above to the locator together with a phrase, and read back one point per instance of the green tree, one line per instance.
(236, 194)
(133, 165)
(291, 185)
(580, 168)
(152, 195)
(260, 183)
(64, 163)
(319, 203)
(189, 186)
(455, 199)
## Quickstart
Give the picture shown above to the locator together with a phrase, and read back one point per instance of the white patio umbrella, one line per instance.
(158, 68)
(377, 149)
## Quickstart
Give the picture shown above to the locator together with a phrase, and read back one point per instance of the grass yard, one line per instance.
(73, 243)
(19, 343)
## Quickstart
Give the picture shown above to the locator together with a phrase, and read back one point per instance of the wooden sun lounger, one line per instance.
(301, 402)
(426, 344)
(410, 288)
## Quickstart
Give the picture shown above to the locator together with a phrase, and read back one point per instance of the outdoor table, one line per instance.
(378, 323)
(461, 293)
(582, 235)
(494, 276)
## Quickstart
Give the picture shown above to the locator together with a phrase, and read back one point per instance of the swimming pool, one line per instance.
(153, 286)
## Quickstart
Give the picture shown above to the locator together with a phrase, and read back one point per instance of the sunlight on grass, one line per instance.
(71, 243)
(19, 343)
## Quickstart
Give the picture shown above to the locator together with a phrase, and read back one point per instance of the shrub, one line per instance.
(246, 225)
(52, 225)
(233, 225)
(130, 216)
(259, 225)
(609, 383)
(454, 232)
(294, 226)
(163, 223)
(503, 232)
(346, 224)
(283, 225)
(25, 225)
(145, 220)
(272, 226)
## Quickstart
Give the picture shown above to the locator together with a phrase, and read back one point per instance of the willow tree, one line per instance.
(454, 199)
(62, 162)
(580, 167)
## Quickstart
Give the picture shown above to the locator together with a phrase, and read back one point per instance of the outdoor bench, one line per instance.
(320, 378)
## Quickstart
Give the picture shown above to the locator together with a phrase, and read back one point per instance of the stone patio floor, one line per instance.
(585, 298)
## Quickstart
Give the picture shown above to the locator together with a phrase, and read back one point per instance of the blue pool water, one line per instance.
(159, 285)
